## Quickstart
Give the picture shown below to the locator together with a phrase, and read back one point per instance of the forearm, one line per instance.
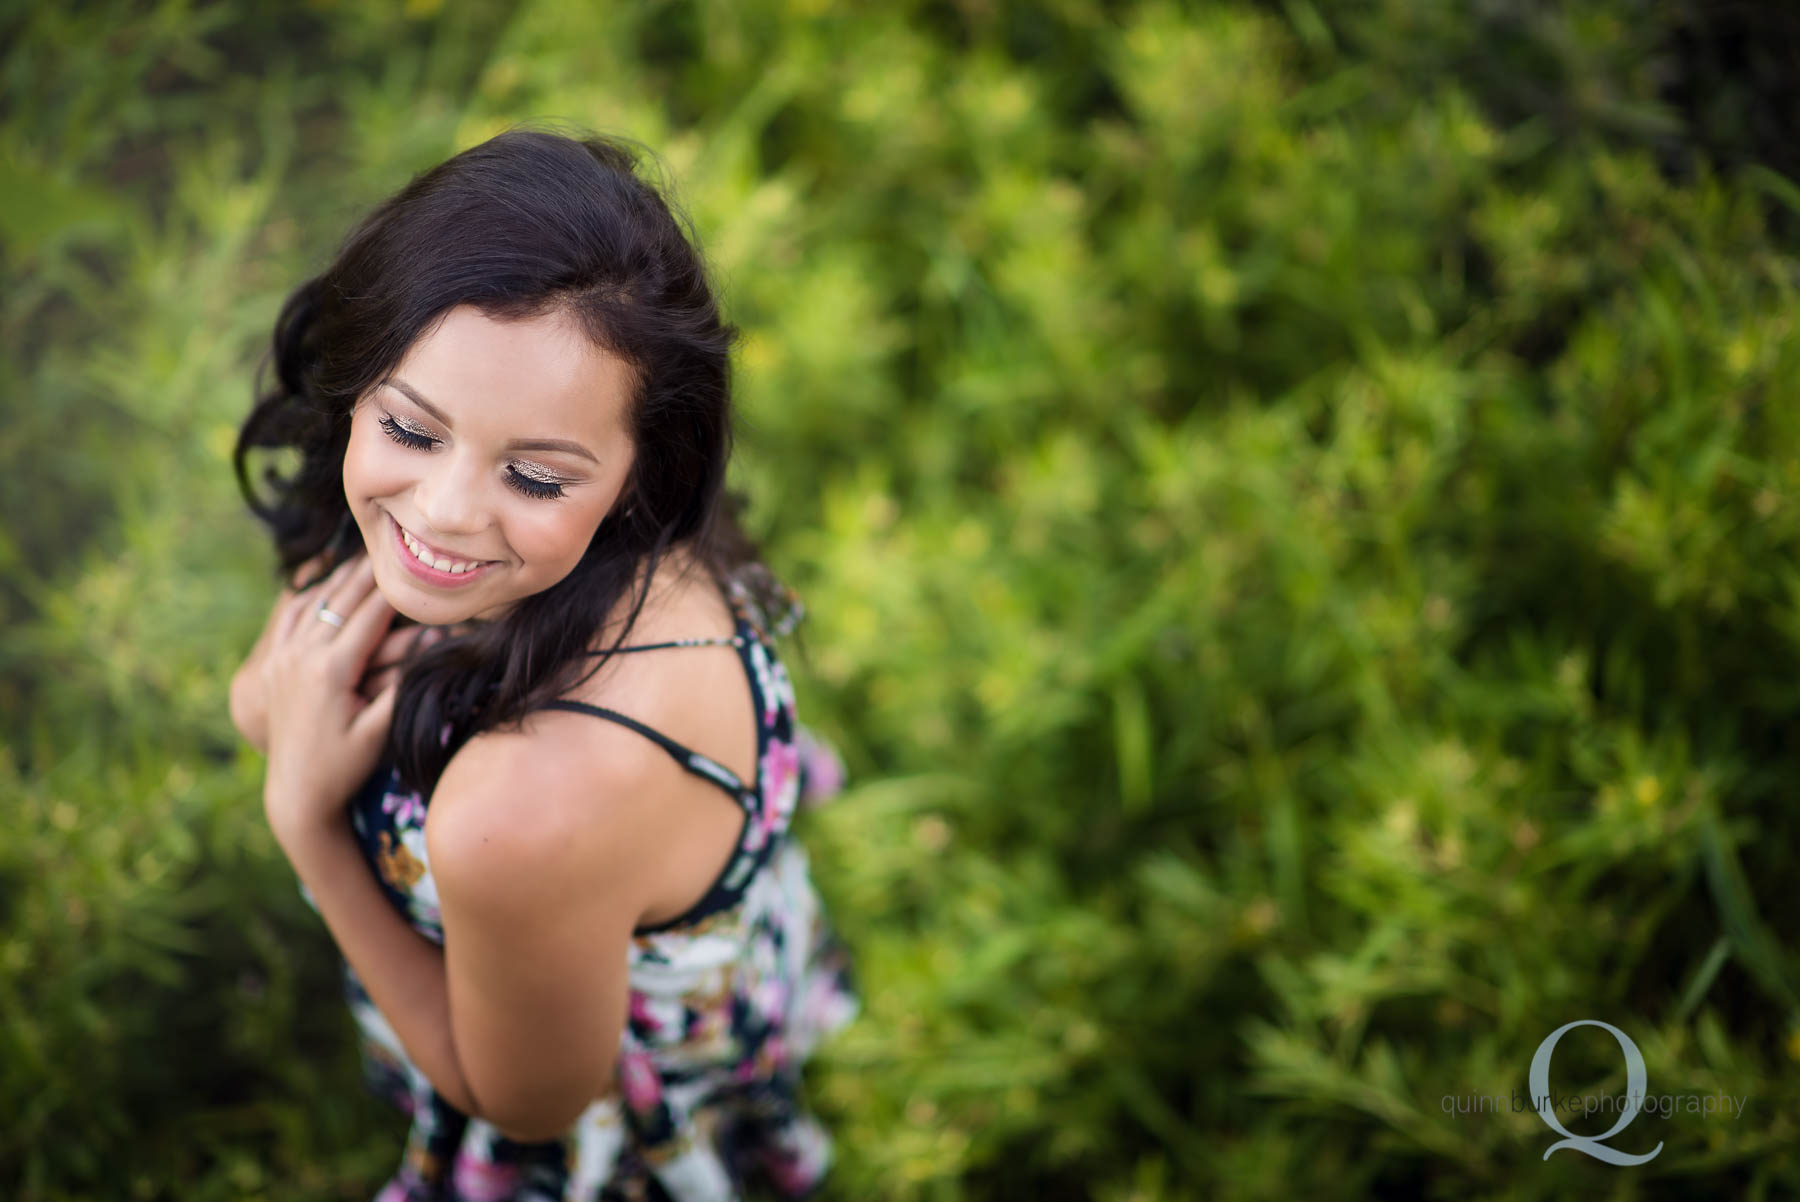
(402, 970)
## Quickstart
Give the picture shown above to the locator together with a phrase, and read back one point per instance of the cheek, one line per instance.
(554, 541)
(372, 468)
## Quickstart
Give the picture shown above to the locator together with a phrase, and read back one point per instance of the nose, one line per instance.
(448, 498)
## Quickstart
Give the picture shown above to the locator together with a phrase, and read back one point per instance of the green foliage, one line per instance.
(1297, 505)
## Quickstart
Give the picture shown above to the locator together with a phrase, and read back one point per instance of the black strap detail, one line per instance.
(684, 756)
(733, 641)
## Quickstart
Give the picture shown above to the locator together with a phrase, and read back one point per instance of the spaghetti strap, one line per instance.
(693, 761)
(745, 613)
(736, 640)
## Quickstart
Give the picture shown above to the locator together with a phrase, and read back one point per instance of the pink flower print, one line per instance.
(790, 1178)
(408, 809)
(640, 1014)
(771, 1056)
(761, 827)
(780, 777)
(825, 1007)
(770, 997)
(637, 1077)
(478, 1180)
(825, 773)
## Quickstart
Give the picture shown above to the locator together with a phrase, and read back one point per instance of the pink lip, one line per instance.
(432, 575)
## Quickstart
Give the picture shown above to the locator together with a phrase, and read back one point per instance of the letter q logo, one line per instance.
(1593, 1145)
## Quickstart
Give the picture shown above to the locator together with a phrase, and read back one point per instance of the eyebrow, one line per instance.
(517, 444)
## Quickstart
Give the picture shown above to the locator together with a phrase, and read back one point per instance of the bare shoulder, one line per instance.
(550, 806)
(570, 799)
(698, 696)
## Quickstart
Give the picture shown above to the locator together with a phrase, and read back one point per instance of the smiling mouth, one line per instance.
(429, 558)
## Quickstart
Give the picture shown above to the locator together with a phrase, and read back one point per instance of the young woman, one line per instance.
(581, 949)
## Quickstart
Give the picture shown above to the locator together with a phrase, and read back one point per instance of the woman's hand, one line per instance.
(249, 707)
(389, 661)
(324, 738)
(249, 701)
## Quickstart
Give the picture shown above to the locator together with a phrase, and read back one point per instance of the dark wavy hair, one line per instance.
(528, 222)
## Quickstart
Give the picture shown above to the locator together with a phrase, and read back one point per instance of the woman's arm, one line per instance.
(542, 860)
(402, 969)
(544, 846)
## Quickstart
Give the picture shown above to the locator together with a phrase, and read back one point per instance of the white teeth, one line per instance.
(443, 565)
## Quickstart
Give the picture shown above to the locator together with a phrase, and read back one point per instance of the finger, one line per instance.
(307, 603)
(399, 648)
(409, 643)
(373, 682)
(345, 591)
(308, 573)
(401, 638)
(341, 593)
(372, 721)
(396, 650)
(295, 606)
(363, 630)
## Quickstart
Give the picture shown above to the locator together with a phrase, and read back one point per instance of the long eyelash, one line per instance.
(542, 490)
(533, 488)
(405, 437)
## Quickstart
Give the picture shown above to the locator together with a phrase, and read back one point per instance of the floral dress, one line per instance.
(726, 1000)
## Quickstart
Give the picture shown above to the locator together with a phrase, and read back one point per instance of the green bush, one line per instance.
(1297, 506)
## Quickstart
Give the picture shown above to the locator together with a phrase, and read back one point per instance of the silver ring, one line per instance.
(325, 615)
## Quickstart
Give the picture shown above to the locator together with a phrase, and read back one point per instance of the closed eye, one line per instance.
(543, 490)
(405, 437)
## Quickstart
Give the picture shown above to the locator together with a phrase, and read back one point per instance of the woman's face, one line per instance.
(497, 444)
